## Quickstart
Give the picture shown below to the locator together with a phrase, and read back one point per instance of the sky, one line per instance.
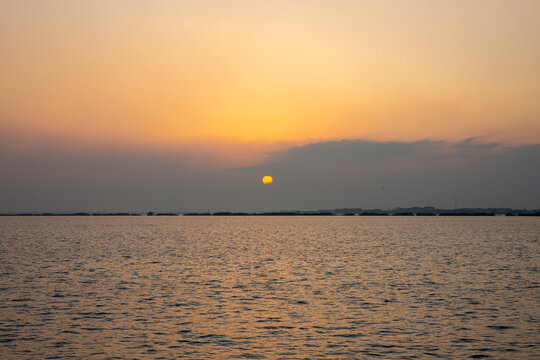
(185, 105)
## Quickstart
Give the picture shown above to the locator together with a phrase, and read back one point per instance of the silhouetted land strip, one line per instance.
(115, 214)
(74, 214)
(467, 214)
(278, 213)
(226, 213)
(413, 211)
(295, 213)
(151, 213)
(378, 212)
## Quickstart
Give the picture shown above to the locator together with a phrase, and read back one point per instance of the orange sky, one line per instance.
(270, 72)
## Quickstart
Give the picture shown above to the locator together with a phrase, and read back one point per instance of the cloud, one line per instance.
(367, 174)
(331, 174)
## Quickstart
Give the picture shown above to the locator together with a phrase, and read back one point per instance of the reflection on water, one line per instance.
(279, 287)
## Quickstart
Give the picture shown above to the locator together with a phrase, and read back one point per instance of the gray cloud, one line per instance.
(349, 173)
(387, 174)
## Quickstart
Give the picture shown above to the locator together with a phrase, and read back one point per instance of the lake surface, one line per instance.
(269, 287)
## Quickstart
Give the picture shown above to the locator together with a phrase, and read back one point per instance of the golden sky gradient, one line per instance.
(164, 72)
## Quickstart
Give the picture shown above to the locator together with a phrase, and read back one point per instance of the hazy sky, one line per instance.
(200, 89)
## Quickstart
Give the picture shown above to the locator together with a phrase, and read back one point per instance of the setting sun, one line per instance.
(267, 180)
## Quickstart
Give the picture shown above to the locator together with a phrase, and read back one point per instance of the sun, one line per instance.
(268, 180)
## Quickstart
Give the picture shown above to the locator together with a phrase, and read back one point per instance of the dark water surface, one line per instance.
(269, 287)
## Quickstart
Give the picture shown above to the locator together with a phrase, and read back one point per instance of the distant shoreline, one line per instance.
(415, 211)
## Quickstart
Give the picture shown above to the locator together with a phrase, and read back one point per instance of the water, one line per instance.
(269, 287)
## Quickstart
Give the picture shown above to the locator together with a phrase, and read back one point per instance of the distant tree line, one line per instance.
(414, 211)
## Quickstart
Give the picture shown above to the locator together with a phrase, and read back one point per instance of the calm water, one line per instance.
(269, 287)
